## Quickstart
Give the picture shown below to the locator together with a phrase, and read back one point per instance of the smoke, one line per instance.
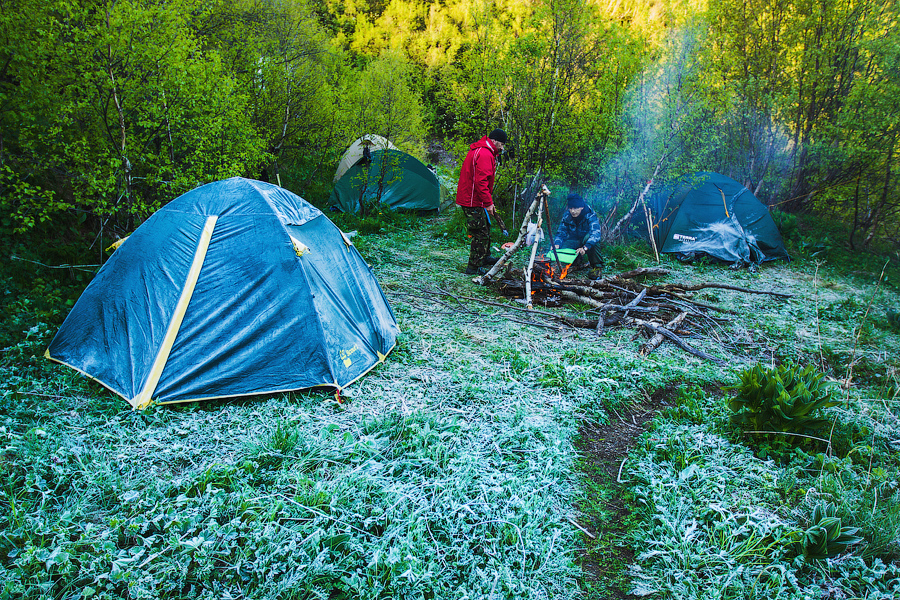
(675, 122)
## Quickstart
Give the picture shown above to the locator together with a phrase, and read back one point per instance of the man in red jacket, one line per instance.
(473, 194)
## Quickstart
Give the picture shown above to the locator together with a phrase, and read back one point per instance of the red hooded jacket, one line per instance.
(476, 177)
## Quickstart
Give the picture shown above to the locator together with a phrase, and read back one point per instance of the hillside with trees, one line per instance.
(111, 109)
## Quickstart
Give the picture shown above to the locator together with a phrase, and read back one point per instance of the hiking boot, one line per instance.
(475, 271)
(490, 261)
(595, 273)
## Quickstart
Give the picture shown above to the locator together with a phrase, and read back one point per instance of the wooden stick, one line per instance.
(642, 272)
(582, 299)
(523, 230)
(654, 342)
(700, 304)
(649, 218)
(723, 286)
(583, 530)
(550, 235)
(637, 300)
(680, 342)
(534, 246)
(620, 225)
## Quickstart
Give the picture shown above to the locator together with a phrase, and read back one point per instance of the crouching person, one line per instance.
(579, 230)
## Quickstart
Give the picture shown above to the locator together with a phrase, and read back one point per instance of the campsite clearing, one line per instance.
(456, 468)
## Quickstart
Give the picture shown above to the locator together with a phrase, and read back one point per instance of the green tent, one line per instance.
(358, 148)
(235, 288)
(393, 178)
(708, 213)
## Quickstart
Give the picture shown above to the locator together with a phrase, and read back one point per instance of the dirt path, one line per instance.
(605, 514)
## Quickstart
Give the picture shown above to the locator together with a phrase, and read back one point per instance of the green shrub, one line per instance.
(825, 538)
(893, 319)
(787, 225)
(782, 400)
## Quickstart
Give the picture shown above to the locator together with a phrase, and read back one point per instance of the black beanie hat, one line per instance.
(573, 200)
(499, 135)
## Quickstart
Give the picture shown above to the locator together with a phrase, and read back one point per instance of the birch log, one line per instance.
(523, 230)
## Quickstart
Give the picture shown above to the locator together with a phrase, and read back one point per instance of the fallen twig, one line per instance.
(654, 342)
(680, 342)
(723, 286)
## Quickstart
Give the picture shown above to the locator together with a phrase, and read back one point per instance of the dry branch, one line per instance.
(654, 342)
(658, 329)
(723, 286)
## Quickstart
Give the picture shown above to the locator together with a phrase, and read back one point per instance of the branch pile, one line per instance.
(662, 312)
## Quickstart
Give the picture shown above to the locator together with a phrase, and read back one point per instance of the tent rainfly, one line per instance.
(235, 288)
(714, 214)
(358, 149)
(386, 175)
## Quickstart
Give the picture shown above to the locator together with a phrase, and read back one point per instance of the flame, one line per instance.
(546, 269)
(563, 272)
(549, 269)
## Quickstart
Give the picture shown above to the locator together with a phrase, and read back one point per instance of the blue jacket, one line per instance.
(586, 226)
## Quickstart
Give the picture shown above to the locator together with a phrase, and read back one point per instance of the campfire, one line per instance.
(546, 277)
(550, 270)
(661, 312)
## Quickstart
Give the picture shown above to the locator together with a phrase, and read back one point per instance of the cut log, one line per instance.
(680, 342)
(654, 342)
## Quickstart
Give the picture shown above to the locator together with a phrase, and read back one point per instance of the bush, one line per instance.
(782, 400)
(825, 538)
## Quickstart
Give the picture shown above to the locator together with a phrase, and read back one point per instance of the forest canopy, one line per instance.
(111, 108)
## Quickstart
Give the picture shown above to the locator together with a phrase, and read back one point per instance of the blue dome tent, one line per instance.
(708, 213)
(235, 288)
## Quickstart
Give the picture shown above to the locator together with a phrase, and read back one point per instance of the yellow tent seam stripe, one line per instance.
(143, 399)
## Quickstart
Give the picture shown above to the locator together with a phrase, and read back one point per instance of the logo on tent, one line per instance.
(684, 238)
(346, 354)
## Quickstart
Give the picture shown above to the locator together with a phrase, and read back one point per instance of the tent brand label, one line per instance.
(346, 354)
(684, 238)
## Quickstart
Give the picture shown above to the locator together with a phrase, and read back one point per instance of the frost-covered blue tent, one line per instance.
(235, 288)
(715, 215)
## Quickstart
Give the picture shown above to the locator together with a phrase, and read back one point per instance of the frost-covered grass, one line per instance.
(450, 471)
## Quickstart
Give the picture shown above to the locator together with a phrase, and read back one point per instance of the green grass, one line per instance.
(452, 470)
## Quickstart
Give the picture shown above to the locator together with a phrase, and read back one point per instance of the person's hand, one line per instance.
(490, 210)
(556, 246)
(581, 250)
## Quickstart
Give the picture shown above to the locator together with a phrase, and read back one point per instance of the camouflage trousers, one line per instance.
(479, 230)
(593, 256)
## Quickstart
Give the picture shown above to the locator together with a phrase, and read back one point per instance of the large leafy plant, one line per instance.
(780, 400)
(825, 538)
